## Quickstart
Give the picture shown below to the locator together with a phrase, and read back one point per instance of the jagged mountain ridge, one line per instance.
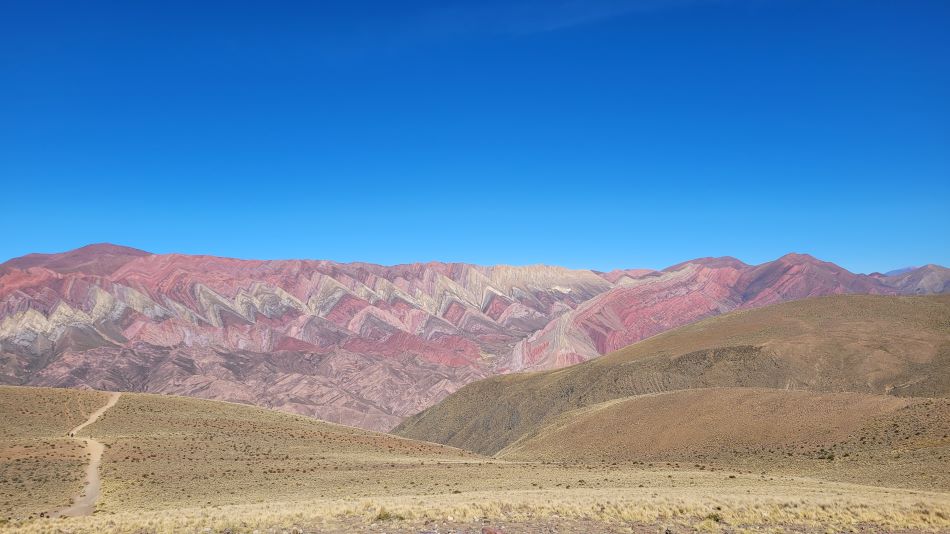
(357, 343)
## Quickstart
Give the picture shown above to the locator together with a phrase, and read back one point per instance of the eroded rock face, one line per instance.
(356, 343)
(651, 303)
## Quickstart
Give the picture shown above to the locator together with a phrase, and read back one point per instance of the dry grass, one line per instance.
(167, 449)
(40, 468)
(871, 439)
(733, 504)
(44, 412)
(865, 344)
(220, 466)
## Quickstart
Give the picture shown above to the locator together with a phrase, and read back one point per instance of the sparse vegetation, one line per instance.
(41, 469)
(386, 515)
(846, 437)
(176, 464)
(805, 506)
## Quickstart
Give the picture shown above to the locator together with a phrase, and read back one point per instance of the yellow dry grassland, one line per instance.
(186, 452)
(186, 465)
(179, 452)
(848, 437)
(681, 501)
(41, 469)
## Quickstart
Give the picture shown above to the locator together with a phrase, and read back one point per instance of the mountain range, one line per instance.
(357, 343)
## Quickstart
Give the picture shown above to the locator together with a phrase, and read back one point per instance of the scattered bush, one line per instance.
(386, 515)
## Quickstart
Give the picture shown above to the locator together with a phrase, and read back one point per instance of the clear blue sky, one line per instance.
(600, 134)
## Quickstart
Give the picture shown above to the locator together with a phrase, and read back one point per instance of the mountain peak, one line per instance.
(798, 257)
(711, 262)
(108, 248)
(902, 270)
(96, 259)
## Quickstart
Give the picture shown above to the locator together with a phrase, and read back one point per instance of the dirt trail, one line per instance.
(85, 503)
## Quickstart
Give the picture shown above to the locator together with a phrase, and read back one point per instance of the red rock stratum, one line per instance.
(358, 343)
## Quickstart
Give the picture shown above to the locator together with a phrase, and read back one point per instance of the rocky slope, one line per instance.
(357, 343)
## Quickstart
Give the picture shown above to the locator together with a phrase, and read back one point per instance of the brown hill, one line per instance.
(866, 344)
(843, 436)
(687, 423)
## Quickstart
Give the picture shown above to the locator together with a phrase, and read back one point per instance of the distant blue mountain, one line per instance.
(897, 272)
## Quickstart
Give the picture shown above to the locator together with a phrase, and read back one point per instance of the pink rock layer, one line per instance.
(356, 343)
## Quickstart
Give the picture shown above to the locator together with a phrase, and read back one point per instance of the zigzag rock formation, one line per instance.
(356, 343)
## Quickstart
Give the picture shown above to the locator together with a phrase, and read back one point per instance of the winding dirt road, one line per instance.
(85, 503)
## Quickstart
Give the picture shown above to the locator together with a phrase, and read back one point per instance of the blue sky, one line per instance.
(598, 134)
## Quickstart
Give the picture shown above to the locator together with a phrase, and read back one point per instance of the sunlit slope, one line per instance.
(867, 344)
(168, 451)
(40, 467)
(855, 437)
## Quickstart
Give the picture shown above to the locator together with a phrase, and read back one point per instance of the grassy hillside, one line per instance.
(40, 468)
(185, 465)
(867, 344)
(166, 449)
(872, 439)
